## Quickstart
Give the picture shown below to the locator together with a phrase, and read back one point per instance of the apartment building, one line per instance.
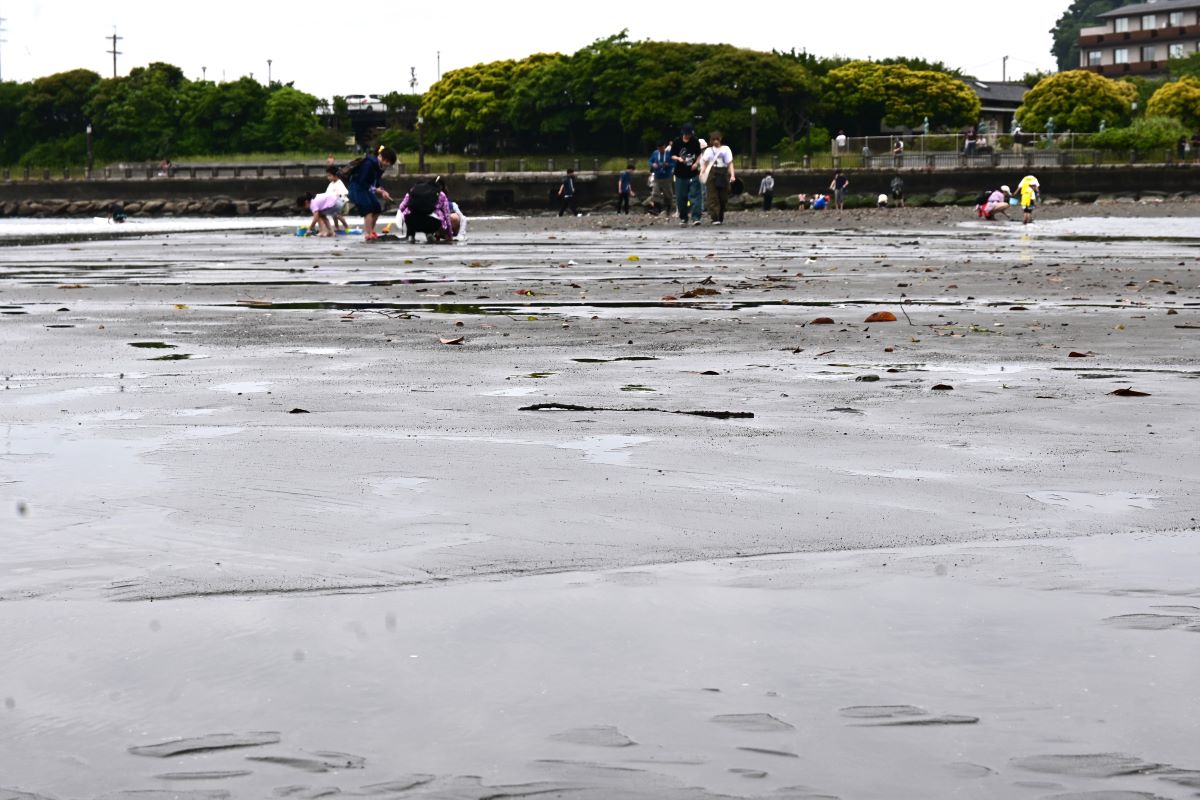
(1139, 39)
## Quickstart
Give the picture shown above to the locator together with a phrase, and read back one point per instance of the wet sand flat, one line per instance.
(584, 507)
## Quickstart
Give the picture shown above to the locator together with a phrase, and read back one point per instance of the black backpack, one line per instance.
(422, 199)
(346, 174)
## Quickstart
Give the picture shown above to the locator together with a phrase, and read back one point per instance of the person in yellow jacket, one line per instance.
(1029, 189)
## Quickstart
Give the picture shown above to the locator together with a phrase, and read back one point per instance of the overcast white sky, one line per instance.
(330, 48)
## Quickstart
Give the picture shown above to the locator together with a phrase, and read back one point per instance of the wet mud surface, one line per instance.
(816, 575)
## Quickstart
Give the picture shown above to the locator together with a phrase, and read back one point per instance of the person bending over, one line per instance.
(365, 191)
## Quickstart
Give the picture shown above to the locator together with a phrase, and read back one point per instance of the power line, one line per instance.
(115, 52)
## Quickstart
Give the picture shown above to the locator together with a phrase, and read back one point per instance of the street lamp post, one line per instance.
(89, 150)
(421, 145)
(753, 137)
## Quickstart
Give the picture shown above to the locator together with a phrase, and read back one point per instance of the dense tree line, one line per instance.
(612, 97)
(154, 112)
(616, 95)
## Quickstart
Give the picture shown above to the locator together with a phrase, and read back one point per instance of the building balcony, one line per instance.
(1132, 68)
(1168, 35)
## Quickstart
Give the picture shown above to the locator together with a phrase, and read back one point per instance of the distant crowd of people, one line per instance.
(687, 177)
(689, 174)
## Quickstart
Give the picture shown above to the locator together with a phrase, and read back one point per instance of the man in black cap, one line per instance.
(685, 153)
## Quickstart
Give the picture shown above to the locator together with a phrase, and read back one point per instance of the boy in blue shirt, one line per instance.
(566, 193)
(625, 188)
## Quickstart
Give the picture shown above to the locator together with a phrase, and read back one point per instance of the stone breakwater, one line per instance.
(211, 207)
(276, 207)
(507, 193)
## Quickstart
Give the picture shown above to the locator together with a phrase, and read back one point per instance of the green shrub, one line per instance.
(401, 140)
(815, 141)
(326, 139)
(946, 197)
(1150, 135)
(860, 201)
(65, 152)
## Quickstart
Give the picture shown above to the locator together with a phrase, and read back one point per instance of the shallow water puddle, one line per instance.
(606, 449)
(516, 391)
(1104, 503)
(898, 474)
(397, 486)
(319, 351)
(247, 387)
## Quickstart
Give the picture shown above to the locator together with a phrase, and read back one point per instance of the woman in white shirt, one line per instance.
(717, 162)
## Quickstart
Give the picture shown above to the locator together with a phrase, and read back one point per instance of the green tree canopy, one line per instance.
(14, 140)
(1178, 100)
(137, 117)
(470, 102)
(732, 81)
(861, 94)
(1179, 67)
(226, 117)
(55, 104)
(922, 65)
(543, 102)
(1078, 101)
(290, 118)
(615, 94)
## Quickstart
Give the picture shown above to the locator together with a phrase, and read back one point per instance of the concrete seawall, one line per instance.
(531, 191)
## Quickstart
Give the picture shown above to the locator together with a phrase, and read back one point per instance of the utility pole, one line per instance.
(439, 54)
(268, 72)
(204, 74)
(115, 52)
(1004, 69)
(412, 82)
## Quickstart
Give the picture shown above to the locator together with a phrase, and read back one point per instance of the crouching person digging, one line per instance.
(426, 210)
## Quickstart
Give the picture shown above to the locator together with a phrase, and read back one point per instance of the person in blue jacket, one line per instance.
(365, 191)
(662, 174)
